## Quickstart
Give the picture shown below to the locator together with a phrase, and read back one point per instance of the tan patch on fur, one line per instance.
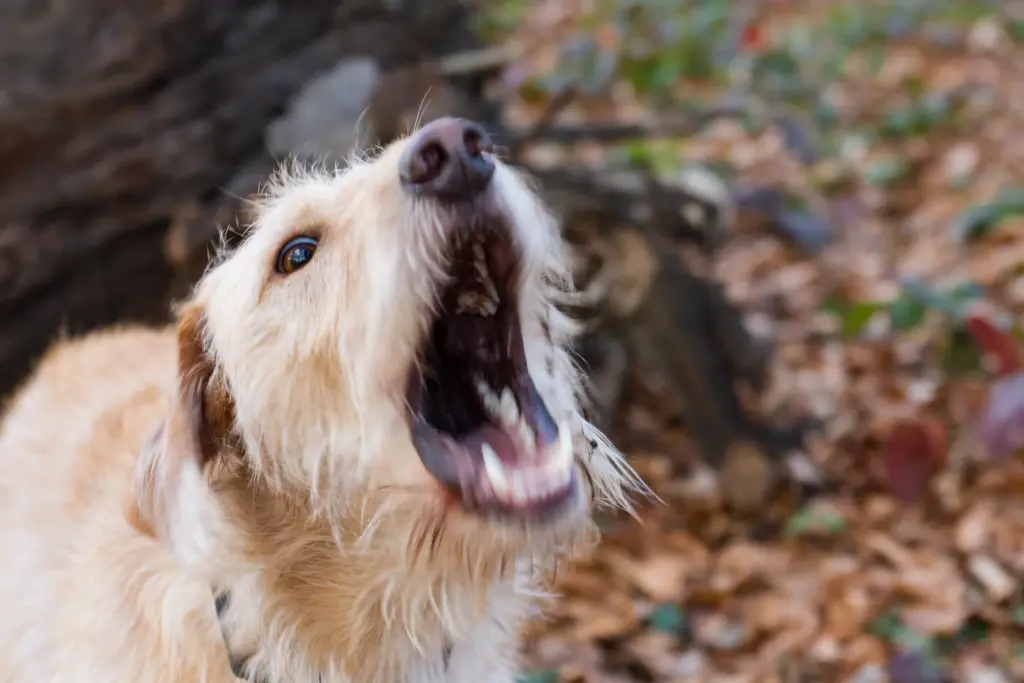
(261, 447)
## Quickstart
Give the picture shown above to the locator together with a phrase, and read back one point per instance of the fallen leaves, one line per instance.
(880, 244)
(914, 451)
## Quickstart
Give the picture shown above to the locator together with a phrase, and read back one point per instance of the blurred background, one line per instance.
(798, 225)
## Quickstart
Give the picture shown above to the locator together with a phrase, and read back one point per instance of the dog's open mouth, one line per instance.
(478, 422)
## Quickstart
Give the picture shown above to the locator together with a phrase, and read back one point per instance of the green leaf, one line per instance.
(974, 630)
(876, 59)
(981, 219)
(541, 676)
(900, 123)
(960, 354)
(953, 302)
(775, 66)
(825, 116)
(906, 313)
(886, 171)
(810, 521)
(857, 316)
(887, 625)
(1016, 29)
(668, 618)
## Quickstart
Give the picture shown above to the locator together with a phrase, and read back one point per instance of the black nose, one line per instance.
(448, 158)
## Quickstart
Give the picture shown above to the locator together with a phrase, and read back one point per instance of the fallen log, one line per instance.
(123, 120)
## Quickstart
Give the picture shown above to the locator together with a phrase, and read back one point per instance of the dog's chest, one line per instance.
(484, 656)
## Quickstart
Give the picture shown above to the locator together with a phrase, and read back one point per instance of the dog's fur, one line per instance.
(260, 448)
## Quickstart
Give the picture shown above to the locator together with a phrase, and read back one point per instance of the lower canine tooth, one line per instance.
(494, 469)
(509, 409)
(563, 454)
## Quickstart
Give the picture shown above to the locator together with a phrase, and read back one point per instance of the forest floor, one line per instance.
(907, 566)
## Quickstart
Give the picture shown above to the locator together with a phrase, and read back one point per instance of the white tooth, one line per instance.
(494, 469)
(509, 409)
(478, 250)
(481, 269)
(543, 482)
(491, 401)
(493, 404)
(526, 434)
(564, 455)
(467, 302)
(489, 307)
(492, 291)
(518, 487)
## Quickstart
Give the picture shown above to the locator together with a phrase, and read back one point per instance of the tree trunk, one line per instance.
(124, 119)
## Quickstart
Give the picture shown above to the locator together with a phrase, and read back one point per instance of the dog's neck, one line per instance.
(304, 601)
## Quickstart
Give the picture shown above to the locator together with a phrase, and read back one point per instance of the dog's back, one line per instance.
(85, 595)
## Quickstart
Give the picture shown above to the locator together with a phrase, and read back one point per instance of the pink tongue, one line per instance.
(497, 438)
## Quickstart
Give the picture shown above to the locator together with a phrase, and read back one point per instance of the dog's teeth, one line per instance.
(519, 488)
(492, 404)
(481, 269)
(509, 409)
(552, 476)
(563, 449)
(478, 251)
(542, 483)
(468, 303)
(492, 291)
(526, 434)
(494, 469)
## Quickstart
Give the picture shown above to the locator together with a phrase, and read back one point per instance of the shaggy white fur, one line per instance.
(261, 447)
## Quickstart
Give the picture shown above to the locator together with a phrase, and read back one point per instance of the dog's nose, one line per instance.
(448, 158)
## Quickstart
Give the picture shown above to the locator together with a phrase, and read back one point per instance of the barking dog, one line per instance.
(361, 441)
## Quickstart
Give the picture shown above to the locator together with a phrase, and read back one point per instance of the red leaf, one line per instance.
(1002, 422)
(914, 451)
(999, 347)
(754, 38)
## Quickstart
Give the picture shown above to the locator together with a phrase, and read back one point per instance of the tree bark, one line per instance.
(659, 313)
(123, 119)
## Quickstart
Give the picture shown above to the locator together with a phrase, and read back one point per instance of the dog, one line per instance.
(353, 458)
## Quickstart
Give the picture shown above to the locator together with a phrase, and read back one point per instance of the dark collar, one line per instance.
(221, 599)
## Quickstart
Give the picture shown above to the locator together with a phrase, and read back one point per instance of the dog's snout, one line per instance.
(448, 158)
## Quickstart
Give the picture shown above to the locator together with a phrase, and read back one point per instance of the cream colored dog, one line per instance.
(362, 438)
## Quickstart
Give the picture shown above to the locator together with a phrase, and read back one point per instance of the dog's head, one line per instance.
(384, 344)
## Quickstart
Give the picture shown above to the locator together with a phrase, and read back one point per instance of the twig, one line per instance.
(619, 132)
(474, 61)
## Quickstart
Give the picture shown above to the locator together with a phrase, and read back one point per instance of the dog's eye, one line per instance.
(296, 254)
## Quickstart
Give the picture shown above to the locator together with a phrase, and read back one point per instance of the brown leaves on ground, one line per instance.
(907, 566)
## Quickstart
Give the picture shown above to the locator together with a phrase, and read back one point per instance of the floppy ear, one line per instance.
(172, 466)
(204, 413)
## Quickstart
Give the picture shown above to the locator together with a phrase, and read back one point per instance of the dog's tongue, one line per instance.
(510, 448)
(456, 463)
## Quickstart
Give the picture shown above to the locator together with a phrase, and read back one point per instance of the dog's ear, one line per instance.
(203, 414)
(192, 434)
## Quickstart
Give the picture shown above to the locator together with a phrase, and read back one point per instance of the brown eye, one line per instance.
(296, 254)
